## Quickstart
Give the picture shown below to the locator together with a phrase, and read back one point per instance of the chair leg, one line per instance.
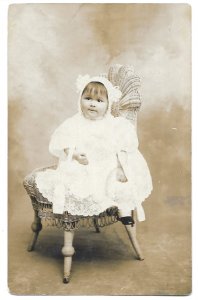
(131, 231)
(36, 228)
(96, 225)
(68, 251)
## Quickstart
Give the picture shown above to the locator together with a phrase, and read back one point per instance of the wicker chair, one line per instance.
(128, 106)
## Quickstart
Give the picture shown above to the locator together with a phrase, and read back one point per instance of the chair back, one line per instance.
(129, 84)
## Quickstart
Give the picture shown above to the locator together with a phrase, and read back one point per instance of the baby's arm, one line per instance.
(120, 172)
(79, 156)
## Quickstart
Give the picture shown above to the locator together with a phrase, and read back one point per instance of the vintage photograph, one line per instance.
(99, 128)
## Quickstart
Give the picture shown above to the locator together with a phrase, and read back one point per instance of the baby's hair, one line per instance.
(95, 88)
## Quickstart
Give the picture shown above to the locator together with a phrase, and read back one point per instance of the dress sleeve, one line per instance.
(126, 136)
(62, 138)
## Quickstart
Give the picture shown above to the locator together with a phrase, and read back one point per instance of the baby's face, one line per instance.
(94, 107)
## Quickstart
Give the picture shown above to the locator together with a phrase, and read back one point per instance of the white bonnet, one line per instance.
(114, 93)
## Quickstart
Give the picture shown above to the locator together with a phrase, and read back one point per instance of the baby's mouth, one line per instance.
(92, 110)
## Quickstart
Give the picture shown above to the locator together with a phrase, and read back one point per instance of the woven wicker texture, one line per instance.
(65, 221)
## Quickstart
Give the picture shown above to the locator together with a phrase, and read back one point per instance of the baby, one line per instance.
(94, 105)
(99, 162)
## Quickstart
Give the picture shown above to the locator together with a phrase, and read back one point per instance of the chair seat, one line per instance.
(65, 221)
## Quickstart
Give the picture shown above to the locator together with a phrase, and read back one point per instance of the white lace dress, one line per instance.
(88, 190)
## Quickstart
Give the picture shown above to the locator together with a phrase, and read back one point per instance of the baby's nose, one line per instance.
(92, 103)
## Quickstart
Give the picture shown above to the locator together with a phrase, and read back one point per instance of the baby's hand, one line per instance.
(120, 175)
(81, 158)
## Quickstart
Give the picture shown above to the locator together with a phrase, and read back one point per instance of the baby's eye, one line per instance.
(87, 98)
(99, 100)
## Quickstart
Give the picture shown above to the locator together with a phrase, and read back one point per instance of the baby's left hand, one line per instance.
(120, 175)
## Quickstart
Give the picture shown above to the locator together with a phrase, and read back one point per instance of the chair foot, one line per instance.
(29, 249)
(66, 279)
(140, 258)
(97, 229)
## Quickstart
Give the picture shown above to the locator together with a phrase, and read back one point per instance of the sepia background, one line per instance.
(48, 46)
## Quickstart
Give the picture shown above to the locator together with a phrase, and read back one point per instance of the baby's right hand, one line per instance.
(81, 158)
